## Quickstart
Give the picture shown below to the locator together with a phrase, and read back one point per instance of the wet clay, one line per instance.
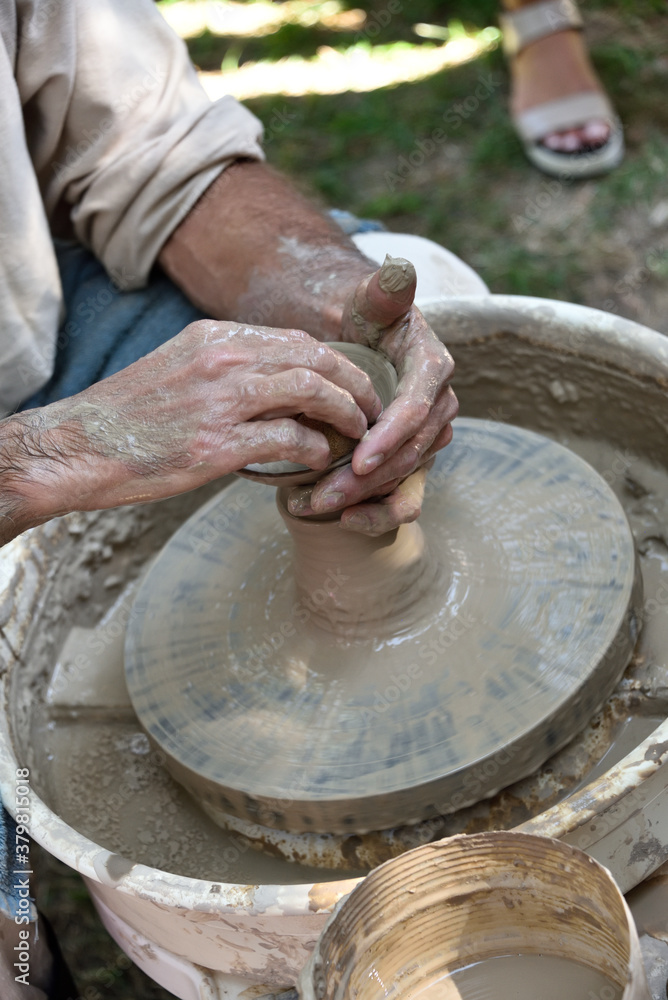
(339, 444)
(108, 780)
(381, 586)
(519, 977)
(491, 630)
(396, 274)
(384, 379)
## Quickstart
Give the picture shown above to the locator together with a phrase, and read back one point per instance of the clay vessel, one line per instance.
(467, 899)
(387, 577)
(384, 379)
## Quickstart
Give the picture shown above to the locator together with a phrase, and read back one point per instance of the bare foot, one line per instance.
(553, 67)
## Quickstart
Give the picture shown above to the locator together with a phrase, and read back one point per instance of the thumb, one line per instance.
(380, 300)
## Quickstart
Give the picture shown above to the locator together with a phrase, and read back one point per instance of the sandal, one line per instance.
(521, 28)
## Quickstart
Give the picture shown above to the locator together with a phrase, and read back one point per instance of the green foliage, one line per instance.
(618, 63)
(520, 271)
(469, 193)
(637, 184)
(385, 206)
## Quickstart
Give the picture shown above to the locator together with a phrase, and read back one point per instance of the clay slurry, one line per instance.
(522, 977)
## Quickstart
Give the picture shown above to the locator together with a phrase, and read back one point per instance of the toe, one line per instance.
(591, 136)
(596, 134)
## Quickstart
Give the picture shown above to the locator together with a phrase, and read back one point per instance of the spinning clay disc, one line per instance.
(317, 679)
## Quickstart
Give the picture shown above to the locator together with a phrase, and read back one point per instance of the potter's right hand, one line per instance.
(213, 399)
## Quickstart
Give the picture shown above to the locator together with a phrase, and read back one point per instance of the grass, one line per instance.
(473, 188)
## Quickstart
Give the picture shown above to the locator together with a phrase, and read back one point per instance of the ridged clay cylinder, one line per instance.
(447, 905)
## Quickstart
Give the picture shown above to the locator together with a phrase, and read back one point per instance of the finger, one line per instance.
(300, 390)
(402, 506)
(337, 368)
(442, 440)
(423, 387)
(295, 349)
(441, 413)
(380, 300)
(299, 499)
(343, 487)
(279, 440)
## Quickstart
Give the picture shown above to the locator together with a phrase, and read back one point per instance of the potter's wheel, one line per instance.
(492, 645)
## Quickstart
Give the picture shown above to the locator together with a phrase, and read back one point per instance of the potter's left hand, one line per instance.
(380, 314)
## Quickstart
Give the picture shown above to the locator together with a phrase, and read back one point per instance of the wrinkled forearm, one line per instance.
(29, 463)
(254, 250)
(49, 466)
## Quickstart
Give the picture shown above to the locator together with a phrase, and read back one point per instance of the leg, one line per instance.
(106, 329)
(556, 66)
(558, 104)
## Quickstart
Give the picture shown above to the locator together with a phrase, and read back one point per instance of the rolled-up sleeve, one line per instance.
(119, 129)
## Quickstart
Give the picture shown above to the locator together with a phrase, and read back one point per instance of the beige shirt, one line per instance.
(101, 117)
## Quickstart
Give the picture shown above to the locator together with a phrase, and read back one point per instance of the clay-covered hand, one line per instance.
(208, 402)
(381, 314)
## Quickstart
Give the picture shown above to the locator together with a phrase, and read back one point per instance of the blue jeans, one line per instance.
(106, 329)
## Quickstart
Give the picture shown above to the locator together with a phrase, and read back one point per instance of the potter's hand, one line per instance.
(380, 314)
(208, 402)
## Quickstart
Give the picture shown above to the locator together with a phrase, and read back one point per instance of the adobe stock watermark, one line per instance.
(475, 784)
(273, 126)
(97, 641)
(106, 976)
(547, 535)
(400, 682)
(151, 763)
(300, 614)
(39, 17)
(207, 533)
(276, 123)
(264, 312)
(654, 263)
(22, 872)
(537, 204)
(271, 811)
(427, 146)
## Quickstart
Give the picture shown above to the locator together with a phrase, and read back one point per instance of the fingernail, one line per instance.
(299, 508)
(396, 274)
(357, 521)
(299, 501)
(330, 499)
(369, 464)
